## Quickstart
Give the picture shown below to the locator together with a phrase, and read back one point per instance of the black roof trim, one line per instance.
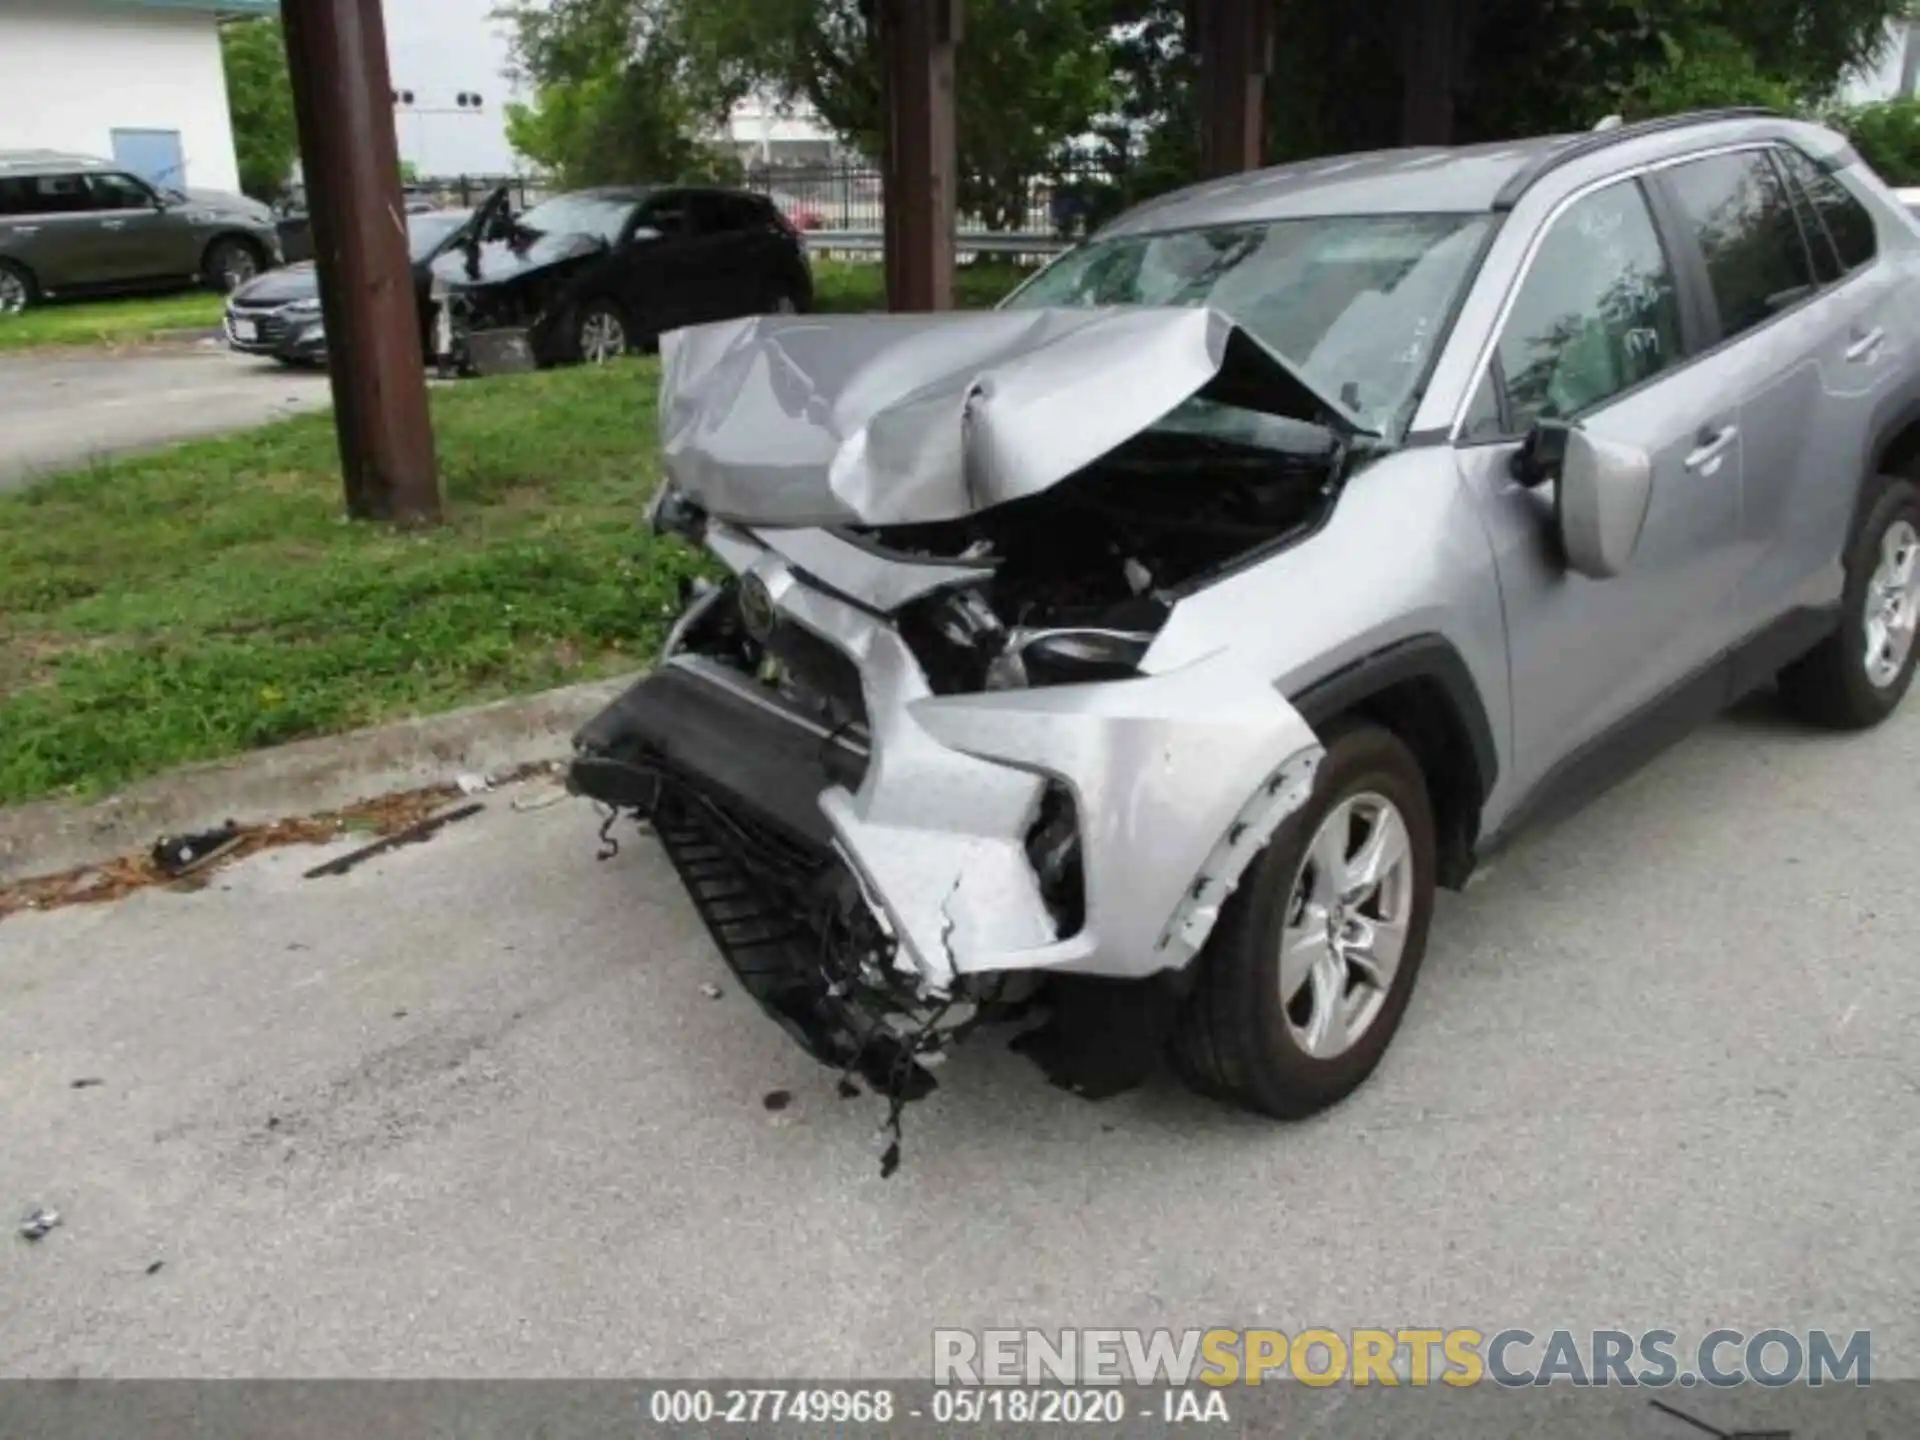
(1529, 174)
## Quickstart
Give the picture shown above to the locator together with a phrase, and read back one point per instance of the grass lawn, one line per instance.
(109, 322)
(209, 598)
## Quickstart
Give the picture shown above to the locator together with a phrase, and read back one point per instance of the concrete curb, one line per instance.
(49, 836)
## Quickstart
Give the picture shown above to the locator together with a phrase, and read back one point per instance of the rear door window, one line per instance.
(1738, 210)
(1845, 219)
(670, 214)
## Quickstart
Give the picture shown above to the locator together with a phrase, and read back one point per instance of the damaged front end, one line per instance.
(913, 758)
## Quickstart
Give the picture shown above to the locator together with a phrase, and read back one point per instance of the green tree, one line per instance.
(1031, 76)
(260, 99)
(616, 95)
(1887, 135)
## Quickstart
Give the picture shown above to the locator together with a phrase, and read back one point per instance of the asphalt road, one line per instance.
(59, 411)
(466, 1111)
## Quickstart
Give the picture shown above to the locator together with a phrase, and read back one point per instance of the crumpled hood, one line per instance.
(904, 419)
(501, 261)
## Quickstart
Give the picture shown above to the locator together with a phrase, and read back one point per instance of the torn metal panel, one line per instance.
(864, 573)
(895, 419)
(1172, 777)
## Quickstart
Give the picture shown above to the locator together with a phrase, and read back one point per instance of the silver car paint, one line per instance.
(889, 419)
(1179, 781)
(1435, 539)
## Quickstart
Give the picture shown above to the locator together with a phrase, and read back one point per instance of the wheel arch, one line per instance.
(235, 237)
(1421, 690)
(26, 271)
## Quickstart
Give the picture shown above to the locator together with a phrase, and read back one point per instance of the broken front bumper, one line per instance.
(1176, 781)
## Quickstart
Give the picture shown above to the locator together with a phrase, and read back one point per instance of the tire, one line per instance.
(1236, 1040)
(17, 290)
(1838, 684)
(598, 333)
(228, 264)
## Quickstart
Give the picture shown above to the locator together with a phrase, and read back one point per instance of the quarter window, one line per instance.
(1846, 219)
(1739, 211)
(1597, 313)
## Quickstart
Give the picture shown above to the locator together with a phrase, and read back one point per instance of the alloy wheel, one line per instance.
(1347, 919)
(602, 338)
(13, 293)
(1892, 604)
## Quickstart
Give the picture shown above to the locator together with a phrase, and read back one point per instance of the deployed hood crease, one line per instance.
(907, 419)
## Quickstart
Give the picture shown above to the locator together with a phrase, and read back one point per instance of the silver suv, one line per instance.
(1144, 654)
(70, 225)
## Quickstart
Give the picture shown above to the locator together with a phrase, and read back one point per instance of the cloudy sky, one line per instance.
(437, 48)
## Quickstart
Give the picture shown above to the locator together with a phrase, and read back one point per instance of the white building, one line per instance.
(1895, 71)
(137, 81)
(765, 131)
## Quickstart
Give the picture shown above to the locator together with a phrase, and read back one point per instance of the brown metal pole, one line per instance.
(1235, 41)
(919, 147)
(343, 104)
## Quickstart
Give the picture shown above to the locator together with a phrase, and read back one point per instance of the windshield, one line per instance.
(427, 233)
(579, 214)
(1356, 304)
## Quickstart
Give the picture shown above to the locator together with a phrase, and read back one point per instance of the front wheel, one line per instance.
(599, 333)
(1310, 970)
(229, 264)
(1859, 674)
(16, 289)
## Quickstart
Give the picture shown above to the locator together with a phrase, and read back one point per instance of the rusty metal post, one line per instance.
(919, 150)
(343, 104)
(1235, 43)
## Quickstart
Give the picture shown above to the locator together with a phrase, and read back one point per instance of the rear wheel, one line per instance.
(229, 264)
(1310, 970)
(1858, 675)
(16, 288)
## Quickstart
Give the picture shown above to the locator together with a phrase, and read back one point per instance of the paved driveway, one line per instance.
(467, 1111)
(59, 410)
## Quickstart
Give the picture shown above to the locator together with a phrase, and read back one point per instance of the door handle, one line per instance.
(113, 224)
(1710, 445)
(1866, 346)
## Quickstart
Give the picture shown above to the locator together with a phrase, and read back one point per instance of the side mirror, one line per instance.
(1602, 492)
(643, 233)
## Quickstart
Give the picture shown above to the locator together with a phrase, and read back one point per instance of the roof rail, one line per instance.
(1523, 179)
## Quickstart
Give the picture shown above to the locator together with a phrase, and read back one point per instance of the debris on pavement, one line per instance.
(115, 879)
(846, 1089)
(38, 1222)
(85, 1082)
(710, 990)
(777, 1099)
(472, 784)
(411, 835)
(176, 856)
(156, 1267)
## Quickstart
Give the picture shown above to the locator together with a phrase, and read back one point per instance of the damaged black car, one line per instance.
(594, 274)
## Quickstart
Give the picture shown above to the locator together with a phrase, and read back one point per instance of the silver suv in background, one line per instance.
(1151, 649)
(71, 225)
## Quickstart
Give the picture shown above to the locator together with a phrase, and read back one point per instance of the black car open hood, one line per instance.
(903, 419)
(498, 261)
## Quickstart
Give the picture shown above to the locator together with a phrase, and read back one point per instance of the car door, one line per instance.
(141, 239)
(1860, 354)
(657, 262)
(50, 228)
(1598, 333)
(731, 270)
